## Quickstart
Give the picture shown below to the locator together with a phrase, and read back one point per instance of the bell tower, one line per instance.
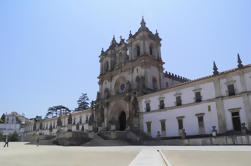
(128, 69)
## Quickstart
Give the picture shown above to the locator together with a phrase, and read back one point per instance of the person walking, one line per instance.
(6, 142)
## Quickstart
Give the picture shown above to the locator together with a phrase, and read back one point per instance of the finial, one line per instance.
(130, 33)
(215, 69)
(102, 51)
(120, 37)
(240, 65)
(156, 33)
(113, 40)
(143, 23)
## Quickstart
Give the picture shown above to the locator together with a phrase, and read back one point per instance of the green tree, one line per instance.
(93, 104)
(2, 120)
(1, 136)
(83, 102)
(13, 136)
(58, 110)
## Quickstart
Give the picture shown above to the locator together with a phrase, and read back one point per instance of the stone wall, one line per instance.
(220, 140)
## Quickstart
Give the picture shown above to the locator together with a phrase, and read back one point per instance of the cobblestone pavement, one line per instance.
(21, 154)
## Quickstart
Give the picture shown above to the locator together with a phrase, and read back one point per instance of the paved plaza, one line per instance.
(23, 154)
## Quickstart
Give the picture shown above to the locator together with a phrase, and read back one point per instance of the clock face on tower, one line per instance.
(122, 87)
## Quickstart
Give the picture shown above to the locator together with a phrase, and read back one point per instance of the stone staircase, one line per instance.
(99, 141)
(43, 140)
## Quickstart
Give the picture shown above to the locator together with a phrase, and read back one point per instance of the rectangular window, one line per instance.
(166, 84)
(148, 125)
(148, 107)
(178, 101)
(161, 104)
(231, 91)
(236, 121)
(163, 125)
(180, 124)
(197, 97)
(209, 108)
(201, 124)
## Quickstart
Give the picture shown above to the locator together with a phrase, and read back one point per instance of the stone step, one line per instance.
(98, 141)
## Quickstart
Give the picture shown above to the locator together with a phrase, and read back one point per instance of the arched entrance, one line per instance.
(122, 121)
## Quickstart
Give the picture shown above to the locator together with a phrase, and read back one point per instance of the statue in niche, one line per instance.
(143, 82)
(135, 106)
(128, 86)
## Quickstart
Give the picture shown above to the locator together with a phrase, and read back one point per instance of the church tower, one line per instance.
(129, 69)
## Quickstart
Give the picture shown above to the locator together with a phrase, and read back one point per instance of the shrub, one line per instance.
(1, 136)
(13, 136)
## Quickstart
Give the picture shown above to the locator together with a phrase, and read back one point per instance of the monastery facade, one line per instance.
(136, 95)
(135, 92)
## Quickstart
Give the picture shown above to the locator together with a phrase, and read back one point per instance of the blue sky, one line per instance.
(49, 49)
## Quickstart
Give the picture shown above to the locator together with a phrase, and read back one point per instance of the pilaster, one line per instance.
(247, 108)
(220, 106)
(245, 98)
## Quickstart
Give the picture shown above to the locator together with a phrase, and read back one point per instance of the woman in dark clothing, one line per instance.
(6, 142)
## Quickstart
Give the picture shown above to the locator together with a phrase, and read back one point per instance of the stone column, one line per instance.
(105, 116)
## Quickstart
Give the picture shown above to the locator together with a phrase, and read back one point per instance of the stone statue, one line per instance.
(143, 85)
(135, 105)
(128, 86)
